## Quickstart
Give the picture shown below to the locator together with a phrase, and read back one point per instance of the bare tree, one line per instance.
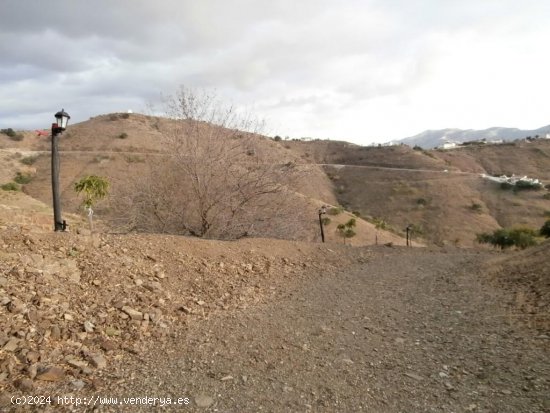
(215, 182)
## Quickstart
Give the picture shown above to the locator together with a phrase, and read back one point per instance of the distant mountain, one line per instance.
(434, 138)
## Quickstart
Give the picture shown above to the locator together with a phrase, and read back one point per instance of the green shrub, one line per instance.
(335, 210)
(545, 229)
(124, 115)
(277, 138)
(326, 221)
(123, 135)
(29, 160)
(9, 131)
(356, 213)
(421, 201)
(22, 178)
(10, 186)
(546, 196)
(546, 213)
(418, 148)
(503, 238)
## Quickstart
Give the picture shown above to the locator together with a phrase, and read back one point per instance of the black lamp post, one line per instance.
(409, 230)
(322, 211)
(62, 119)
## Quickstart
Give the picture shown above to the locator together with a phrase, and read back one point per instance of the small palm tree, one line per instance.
(346, 230)
(94, 188)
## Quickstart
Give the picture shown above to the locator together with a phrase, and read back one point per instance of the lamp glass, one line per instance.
(62, 119)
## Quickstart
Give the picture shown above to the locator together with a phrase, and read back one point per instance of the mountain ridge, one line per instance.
(433, 138)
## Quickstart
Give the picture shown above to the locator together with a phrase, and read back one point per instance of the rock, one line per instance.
(400, 340)
(107, 345)
(33, 356)
(55, 332)
(73, 362)
(3, 281)
(111, 331)
(134, 314)
(98, 361)
(78, 384)
(68, 317)
(88, 327)
(414, 376)
(226, 378)
(204, 401)
(25, 385)
(12, 344)
(51, 373)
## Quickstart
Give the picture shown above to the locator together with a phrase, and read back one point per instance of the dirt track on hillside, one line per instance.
(406, 331)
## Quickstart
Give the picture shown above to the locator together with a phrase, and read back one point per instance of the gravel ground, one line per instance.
(401, 330)
(407, 331)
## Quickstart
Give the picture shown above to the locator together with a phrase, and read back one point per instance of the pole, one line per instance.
(321, 225)
(58, 223)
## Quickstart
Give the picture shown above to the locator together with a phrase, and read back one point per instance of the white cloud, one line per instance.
(355, 70)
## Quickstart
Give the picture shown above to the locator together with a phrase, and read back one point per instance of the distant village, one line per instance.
(453, 144)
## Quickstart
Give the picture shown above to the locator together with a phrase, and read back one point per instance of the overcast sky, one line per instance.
(358, 70)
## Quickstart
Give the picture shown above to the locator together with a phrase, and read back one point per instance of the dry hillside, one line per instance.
(440, 192)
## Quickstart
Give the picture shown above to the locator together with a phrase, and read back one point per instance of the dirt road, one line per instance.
(406, 331)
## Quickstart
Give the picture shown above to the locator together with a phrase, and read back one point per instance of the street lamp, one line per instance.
(61, 119)
(409, 230)
(322, 211)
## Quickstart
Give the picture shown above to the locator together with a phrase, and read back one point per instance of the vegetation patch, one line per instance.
(347, 230)
(135, 159)
(14, 136)
(335, 210)
(476, 207)
(520, 237)
(29, 160)
(22, 178)
(10, 186)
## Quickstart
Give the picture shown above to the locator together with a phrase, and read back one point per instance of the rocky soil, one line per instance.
(261, 325)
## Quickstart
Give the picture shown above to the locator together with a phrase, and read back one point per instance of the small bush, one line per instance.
(545, 229)
(135, 159)
(326, 221)
(476, 207)
(124, 115)
(17, 137)
(421, 201)
(506, 185)
(418, 148)
(22, 178)
(29, 160)
(356, 213)
(123, 135)
(546, 213)
(277, 138)
(113, 116)
(10, 186)
(546, 196)
(335, 211)
(503, 238)
(9, 131)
